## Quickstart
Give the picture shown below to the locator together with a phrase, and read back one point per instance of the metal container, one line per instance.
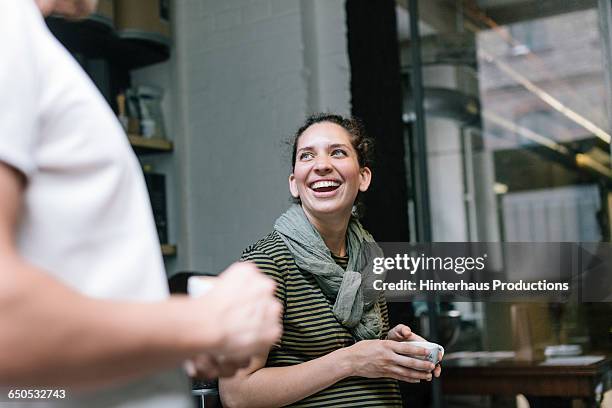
(105, 13)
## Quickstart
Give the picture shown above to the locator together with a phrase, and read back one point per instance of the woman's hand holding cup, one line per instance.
(390, 359)
(401, 332)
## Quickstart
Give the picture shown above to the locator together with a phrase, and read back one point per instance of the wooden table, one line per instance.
(507, 376)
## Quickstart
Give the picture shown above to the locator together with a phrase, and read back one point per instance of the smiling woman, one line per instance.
(337, 349)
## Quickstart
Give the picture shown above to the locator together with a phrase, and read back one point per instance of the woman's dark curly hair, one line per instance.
(361, 142)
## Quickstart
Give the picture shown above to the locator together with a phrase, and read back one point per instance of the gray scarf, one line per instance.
(356, 302)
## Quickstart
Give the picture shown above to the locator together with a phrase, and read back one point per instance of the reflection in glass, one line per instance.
(518, 137)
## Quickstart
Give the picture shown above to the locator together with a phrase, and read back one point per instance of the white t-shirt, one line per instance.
(87, 219)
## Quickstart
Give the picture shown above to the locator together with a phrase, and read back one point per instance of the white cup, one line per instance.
(433, 349)
(197, 286)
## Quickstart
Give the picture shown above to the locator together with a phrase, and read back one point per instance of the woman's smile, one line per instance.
(325, 187)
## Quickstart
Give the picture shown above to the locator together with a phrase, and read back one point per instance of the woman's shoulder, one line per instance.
(271, 256)
(268, 244)
(270, 248)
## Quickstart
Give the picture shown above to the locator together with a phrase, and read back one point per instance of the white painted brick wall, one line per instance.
(245, 73)
(327, 66)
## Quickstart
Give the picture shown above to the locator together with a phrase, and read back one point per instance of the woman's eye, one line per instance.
(338, 152)
(306, 156)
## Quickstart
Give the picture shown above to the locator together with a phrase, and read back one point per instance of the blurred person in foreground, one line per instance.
(84, 303)
(336, 349)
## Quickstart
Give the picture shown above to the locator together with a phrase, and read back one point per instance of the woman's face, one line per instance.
(326, 176)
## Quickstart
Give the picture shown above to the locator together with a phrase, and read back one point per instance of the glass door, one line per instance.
(518, 130)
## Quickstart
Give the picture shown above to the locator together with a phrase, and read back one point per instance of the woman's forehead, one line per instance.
(324, 134)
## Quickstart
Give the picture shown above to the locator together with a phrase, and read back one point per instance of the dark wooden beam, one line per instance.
(376, 100)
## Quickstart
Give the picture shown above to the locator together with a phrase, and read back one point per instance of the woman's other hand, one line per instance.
(390, 359)
(401, 332)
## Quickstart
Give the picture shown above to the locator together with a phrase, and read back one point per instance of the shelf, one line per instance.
(168, 250)
(94, 38)
(145, 145)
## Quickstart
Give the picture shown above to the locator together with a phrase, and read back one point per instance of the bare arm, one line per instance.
(44, 325)
(52, 335)
(259, 386)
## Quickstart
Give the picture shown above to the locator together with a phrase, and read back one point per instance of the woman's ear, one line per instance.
(293, 186)
(366, 177)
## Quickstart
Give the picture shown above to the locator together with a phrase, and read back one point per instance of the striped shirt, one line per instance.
(311, 330)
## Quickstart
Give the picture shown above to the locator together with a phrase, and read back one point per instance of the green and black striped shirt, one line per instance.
(311, 330)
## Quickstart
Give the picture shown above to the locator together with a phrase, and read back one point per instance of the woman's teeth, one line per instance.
(326, 185)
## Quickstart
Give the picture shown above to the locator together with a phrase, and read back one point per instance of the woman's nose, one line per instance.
(322, 164)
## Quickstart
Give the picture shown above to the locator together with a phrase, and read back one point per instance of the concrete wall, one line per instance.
(242, 77)
(325, 55)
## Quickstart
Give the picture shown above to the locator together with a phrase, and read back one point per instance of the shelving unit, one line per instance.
(168, 250)
(143, 145)
(96, 38)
